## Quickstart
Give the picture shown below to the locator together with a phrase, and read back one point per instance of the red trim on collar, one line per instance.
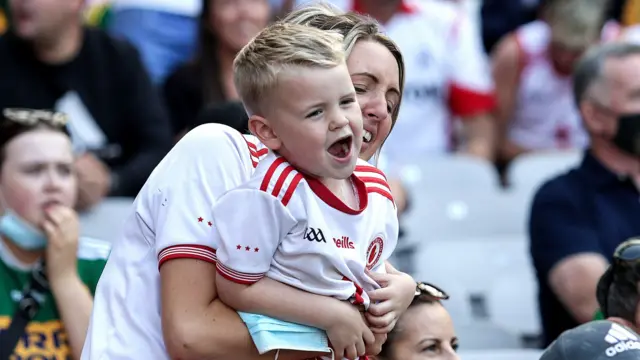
(404, 7)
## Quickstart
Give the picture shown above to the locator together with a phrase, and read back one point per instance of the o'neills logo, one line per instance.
(622, 340)
(344, 243)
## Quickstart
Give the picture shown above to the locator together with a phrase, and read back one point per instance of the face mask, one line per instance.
(270, 334)
(21, 233)
(627, 137)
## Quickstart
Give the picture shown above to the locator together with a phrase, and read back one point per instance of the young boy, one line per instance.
(304, 218)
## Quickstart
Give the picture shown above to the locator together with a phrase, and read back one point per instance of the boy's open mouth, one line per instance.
(341, 149)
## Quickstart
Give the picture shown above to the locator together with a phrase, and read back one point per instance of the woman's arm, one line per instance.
(74, 303)
(73, 299)
(198, 326)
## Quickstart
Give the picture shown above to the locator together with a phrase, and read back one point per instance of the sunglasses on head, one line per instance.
(31, 117)
(431, 291)
(625, 257)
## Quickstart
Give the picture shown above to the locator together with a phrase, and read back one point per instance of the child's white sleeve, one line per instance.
(249, 225)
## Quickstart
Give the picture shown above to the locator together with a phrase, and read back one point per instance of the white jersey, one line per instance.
(545, 115)
(447, 75)
(291, 228)
(170, 219)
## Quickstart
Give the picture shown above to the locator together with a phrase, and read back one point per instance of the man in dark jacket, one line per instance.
(119, 128)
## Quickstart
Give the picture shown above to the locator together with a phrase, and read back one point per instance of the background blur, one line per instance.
(466, 226)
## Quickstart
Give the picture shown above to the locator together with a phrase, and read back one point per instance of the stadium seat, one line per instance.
(474, 263)
(529, 171)
(512, 302)
(489, 279)
(105, 220)
(451, 171)
(484, 336)
(460, 213)
(501, 355)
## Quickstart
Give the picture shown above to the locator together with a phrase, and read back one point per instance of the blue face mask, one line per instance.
(21, 233)
(271, 334)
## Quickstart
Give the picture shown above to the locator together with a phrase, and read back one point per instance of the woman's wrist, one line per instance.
(64, 284)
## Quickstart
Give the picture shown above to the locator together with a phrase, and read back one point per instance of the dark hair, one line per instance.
(617, 293)
(207, 58)
(10, 127)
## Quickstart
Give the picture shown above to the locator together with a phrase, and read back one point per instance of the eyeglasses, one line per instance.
(31, 117)
(625, 257)
(431, 291)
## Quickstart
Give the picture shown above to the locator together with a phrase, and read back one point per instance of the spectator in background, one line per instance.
(532, 72)
(618, 289)
(164, 31)
(424, 331)
(500, 17)
(225, 28)
(119, 129)
(579, 218)
(447, 75)
(598, 340)
(231, 114)
(37, 225)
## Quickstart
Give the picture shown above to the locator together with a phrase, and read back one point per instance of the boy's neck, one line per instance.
(343, 189)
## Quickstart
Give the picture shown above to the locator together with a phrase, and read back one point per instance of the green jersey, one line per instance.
(45, 337)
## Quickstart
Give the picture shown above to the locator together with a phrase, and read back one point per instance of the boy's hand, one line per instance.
(348, 333)
(389, 302)
(376, 347)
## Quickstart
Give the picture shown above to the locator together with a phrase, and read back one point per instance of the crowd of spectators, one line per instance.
(496, 85)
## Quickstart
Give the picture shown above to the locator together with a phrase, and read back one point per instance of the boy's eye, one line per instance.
(313, 114)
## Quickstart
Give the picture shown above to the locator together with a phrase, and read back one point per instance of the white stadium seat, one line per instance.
(530, 171)
(501, 355)
(105, 221)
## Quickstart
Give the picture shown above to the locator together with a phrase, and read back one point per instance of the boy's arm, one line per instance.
(275, 299)
(197, 328)
(247, 240)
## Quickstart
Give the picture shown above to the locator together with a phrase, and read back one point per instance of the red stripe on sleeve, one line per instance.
(187, 251)
(465, 102)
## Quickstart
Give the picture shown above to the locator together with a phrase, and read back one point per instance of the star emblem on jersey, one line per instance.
(374, 252)
(247, 248)
(209, 223)
(200, 219)
(239, 247)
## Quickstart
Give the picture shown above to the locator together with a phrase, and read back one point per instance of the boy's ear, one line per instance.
(261, 128)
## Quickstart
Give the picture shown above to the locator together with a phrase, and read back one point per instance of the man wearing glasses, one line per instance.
(579, 218)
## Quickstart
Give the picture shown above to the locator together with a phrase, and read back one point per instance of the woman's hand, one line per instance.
(61, 226)
(390, 301)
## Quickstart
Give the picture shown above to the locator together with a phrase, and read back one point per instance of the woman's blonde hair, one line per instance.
(354, 27)
(576, 23)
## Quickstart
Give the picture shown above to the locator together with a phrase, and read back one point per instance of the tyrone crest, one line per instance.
(374, 252)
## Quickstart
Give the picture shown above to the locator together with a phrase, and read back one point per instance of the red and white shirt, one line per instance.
(545, 115)
(446, 70)
(291, 228)
(170, 219)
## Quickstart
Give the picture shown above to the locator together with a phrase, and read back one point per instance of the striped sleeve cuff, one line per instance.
(236, 276)
(198, 252)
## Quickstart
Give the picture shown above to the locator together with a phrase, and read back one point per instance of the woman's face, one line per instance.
(236, 22)
(37, 172)
(426, 333)
(375, 76)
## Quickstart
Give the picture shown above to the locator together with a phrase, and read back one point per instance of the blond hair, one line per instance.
(281, 47)
(353, 27)
(576, 23)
